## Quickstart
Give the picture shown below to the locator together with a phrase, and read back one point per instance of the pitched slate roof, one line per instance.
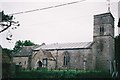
(25, 51)
(80, 45)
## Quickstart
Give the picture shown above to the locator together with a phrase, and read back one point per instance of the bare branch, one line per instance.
(7, 27)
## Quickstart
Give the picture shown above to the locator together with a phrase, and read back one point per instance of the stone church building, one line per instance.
(96, 55)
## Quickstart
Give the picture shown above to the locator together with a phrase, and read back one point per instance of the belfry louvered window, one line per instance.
(101, 30)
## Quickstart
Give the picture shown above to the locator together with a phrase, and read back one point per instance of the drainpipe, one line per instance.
(56, 60)
(110, 67)
(84, 63)
(114, 66)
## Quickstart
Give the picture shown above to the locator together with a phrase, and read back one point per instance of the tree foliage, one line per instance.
(117, 51)
(119, 23)
(7, 22)
(8, 52)
(28, 43)
(19, 44)
(6, 17)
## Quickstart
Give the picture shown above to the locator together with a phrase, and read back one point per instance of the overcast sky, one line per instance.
(70, 23)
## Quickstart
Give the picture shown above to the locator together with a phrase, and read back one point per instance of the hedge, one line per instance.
(61, 74)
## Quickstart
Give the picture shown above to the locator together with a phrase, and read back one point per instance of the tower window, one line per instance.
(101, 30)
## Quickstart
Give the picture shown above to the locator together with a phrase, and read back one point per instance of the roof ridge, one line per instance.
(73, 45)
(69, 42)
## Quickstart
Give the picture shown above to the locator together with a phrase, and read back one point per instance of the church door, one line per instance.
(39, 64)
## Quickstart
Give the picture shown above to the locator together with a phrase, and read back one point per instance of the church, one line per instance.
(96, 55)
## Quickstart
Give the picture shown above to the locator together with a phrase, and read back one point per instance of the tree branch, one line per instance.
(6, 27)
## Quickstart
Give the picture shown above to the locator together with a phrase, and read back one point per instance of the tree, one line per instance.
(119, 23)
(7, 63)
(8, 52)
(6, 21)
(28, 43)
(19, 44)
(117, 52)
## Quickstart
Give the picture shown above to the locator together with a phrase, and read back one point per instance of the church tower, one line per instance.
(103, 37)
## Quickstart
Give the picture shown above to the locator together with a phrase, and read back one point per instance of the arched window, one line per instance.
(66, 59)
(45, 61)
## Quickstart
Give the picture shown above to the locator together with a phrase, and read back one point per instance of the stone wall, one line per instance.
(39, 56)
(77, 59)
(102, 50)
(106, 21)
(51, 64)
(21, 61)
